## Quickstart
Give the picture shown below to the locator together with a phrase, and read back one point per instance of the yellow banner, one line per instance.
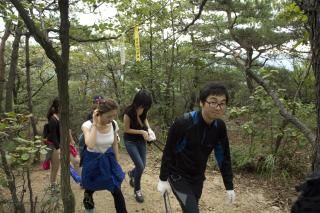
(137, 43)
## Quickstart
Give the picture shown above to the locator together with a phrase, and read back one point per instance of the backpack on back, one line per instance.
(189, 119)
(45, 131)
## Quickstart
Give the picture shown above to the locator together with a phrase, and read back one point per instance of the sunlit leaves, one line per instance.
(19, 150)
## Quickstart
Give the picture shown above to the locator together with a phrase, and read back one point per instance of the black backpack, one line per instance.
(82, 144)
(188, 120)
(45, 131)
(309, 198)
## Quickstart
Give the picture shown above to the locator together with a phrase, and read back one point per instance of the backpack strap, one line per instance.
(194, 116)
(113, 125)
(189, 119)
(45, 131)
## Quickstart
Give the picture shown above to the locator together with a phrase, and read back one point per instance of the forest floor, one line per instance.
(253, 194)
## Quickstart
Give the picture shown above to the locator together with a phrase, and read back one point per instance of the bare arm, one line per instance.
(90, 135)
(147, 123)
(115, 146)
(71, 138)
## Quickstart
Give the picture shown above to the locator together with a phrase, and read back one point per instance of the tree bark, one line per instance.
(29, 92)
(152, 76)
(2, 61)
(115, 83)
(169, 90)
(13, 69)
(61, 67)
(312, 10)
(63, 77)
(18, 206)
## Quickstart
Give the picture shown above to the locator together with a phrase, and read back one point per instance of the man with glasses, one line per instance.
(191, 139)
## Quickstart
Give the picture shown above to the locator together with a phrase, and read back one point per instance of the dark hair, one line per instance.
(213, 88)
(106, 106)
(96, 99)
(54, 108)
(141, 99)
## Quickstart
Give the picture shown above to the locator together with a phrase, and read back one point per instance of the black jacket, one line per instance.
(189, 144)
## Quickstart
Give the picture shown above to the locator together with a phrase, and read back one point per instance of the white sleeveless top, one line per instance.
(103, 140)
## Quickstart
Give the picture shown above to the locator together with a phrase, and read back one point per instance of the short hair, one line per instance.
(107, 106)
(213, 88)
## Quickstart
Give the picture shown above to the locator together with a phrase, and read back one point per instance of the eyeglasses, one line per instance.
(216, 105)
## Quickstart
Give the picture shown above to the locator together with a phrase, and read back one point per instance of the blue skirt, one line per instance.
(101, 171)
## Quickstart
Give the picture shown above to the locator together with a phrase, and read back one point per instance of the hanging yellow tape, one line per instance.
(137, 43)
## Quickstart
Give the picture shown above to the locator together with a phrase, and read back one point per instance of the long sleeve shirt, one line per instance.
(188, 148)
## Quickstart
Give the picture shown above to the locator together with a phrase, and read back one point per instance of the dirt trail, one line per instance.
(251, 197)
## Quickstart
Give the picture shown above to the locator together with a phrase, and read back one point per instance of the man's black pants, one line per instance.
(188, 193)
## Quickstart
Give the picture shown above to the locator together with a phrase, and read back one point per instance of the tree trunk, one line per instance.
(63, 77)
(29, 92)
(312, 10)
(115, 84)
(314, 23)
(18, 206)
(32, 202)
(61, 67)
(2, 61)
(195, 79)
(169, 98)
(13, 69)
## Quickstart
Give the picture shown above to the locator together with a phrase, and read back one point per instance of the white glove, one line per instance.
(231, 196)
(163, 187)
(152, 136)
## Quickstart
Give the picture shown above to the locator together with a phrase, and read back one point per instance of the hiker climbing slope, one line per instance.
(190, 141)
(136, 132)
(100, 167)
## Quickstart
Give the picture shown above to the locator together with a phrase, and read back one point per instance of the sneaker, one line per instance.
(139, 197)
(88, 202)
(131, 181)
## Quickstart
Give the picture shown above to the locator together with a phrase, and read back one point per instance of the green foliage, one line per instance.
(242, 159)
(261, 123)
(181, 63)
(3, 181)
(19, 150)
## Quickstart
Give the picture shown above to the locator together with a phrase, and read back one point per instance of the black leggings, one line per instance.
(188, 194)
(118, 198)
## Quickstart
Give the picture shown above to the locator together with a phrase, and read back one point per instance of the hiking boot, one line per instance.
(139, 197)
(131, 179)
(88, 202)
